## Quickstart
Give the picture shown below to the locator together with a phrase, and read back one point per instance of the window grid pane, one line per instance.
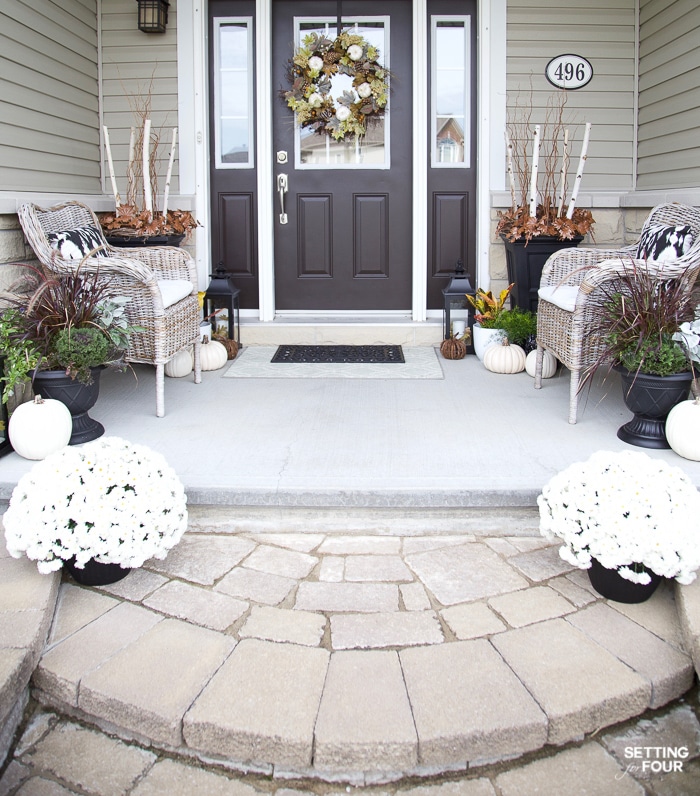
(313, 151)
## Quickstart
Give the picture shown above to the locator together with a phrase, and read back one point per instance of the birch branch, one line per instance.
(563, 172)
(110, 164)
(511, 175)
(147, 196)
(533, 173)
(169, 175)
(130, 180)
(579, 171)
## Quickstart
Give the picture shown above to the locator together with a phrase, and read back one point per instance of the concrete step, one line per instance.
(367, 329)
(358, 657)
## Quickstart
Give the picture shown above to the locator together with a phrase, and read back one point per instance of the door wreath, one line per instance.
(311, 74)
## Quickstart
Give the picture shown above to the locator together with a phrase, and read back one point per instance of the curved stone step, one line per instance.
(539, 659)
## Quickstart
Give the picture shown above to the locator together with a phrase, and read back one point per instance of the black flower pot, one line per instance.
(95, 573)
(78, 397)
(611, 585)
(130, 241)
(650, 399)
(525, 261)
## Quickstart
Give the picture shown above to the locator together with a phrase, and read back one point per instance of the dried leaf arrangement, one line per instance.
(130, 219)
(538, 163)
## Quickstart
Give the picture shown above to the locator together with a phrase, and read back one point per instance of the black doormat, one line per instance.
(338, 353)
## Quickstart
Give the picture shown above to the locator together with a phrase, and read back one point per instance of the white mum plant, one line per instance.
(625, 509)
(108, 500)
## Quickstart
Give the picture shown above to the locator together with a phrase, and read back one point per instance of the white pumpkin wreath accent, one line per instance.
(311, 73)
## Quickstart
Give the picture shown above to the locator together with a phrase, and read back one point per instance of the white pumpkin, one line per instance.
(40, 427)
(683, 429)
(549, 364)
(181, 364)
(213, 354)
(505, 358)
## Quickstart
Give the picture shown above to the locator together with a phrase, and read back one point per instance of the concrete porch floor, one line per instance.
(472, 439)
(330, 522)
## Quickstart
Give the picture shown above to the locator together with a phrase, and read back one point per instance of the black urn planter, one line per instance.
(650, 399)
(95, 573)
(78, 397)
(525, 262)
(611, 585)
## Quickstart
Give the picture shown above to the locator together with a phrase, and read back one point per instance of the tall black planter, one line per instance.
(650, 399)
(525, 262)
(78, 397)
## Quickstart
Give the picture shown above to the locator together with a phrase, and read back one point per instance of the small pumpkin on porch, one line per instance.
(181, 364)
(453, 348)
(504, 358)
(213, 354)
(231, 346)
(683, 429)
(549, 364)
(40, 427)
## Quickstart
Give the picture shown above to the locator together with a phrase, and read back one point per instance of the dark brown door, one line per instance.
(346, 243)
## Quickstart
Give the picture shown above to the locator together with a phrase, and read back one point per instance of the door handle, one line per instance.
(282, 188)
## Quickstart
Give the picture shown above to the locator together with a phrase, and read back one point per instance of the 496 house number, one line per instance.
(569, 71)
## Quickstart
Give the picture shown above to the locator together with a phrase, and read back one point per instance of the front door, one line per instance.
(343, 207)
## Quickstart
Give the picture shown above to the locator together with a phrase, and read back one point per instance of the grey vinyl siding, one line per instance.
(669, 94)
(49, 114)
(604, 32)
(136, 66)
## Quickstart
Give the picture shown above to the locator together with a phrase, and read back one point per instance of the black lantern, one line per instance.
(457, 316)
(223, 294)
(153, 15)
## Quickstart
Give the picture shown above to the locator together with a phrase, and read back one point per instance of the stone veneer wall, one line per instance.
(13, 248)
(614, 227)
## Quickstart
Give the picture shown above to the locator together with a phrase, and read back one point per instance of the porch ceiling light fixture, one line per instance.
(153, 15)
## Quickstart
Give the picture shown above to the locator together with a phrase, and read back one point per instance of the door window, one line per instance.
(233, 92)
(314, 151)
(450, 101)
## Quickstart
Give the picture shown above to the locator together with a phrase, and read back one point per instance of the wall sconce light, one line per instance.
(153, 15)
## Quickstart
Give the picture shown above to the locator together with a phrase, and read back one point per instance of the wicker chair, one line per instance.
(573, 278)
(160, 281)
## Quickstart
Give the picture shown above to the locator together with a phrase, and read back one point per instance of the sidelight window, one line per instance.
(449, 91)
(233, 92)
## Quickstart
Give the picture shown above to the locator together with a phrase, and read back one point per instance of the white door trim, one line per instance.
(194, 138)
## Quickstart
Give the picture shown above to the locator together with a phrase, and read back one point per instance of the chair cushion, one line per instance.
(664, 244)
(174, 290)
(562, 296)
(74, 244)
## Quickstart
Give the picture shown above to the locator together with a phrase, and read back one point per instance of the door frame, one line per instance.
(194, 147)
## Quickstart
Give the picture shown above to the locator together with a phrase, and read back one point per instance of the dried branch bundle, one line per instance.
(538, 160)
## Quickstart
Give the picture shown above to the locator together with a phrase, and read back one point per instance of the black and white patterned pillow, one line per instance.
(664, 244)
(74, 244)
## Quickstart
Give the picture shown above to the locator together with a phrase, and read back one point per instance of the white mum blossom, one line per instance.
(109, 500)
(342, 113)
(623, 509)
(354, 52)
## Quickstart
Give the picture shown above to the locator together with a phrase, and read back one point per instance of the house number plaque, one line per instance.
(569, 71)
